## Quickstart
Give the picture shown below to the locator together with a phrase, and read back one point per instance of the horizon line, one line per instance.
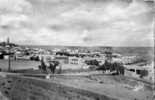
(82, 45)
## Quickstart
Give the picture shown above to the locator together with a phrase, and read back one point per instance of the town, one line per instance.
(83, 59)
(77, 50)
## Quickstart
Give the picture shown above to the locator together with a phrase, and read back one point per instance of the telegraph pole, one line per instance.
(9, 59)
(108, 53)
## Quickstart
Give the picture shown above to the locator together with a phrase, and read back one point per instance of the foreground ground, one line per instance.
(111, 86)
(80, 86)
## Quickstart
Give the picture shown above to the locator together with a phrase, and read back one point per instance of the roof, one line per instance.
(134, 67)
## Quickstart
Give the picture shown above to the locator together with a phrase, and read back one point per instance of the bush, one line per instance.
(118, 67)
(143, 73)
(35, 58)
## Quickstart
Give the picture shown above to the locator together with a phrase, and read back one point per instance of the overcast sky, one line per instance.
(77, 22)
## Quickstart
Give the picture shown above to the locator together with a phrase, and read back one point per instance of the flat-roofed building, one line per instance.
(61, 59)
(75, 60)
(132, 71)
(135, 71)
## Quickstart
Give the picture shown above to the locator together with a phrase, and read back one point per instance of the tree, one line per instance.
(105, 66)
(102, 67)
(118, 67)
(92, 62)
(43, 66)
(53, 66)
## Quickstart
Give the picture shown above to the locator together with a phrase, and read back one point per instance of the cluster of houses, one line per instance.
(75, 57)
(131, 68)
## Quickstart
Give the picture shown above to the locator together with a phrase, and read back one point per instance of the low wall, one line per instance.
(17, 88)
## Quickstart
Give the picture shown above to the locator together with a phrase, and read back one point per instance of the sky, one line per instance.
(78, 22)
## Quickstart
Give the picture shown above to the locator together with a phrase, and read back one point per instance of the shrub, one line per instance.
(118, 67)
(143, 73)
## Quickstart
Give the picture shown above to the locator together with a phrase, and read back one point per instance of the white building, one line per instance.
(128, 59)
(46, 57)
(134, 71)
(75, 60)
